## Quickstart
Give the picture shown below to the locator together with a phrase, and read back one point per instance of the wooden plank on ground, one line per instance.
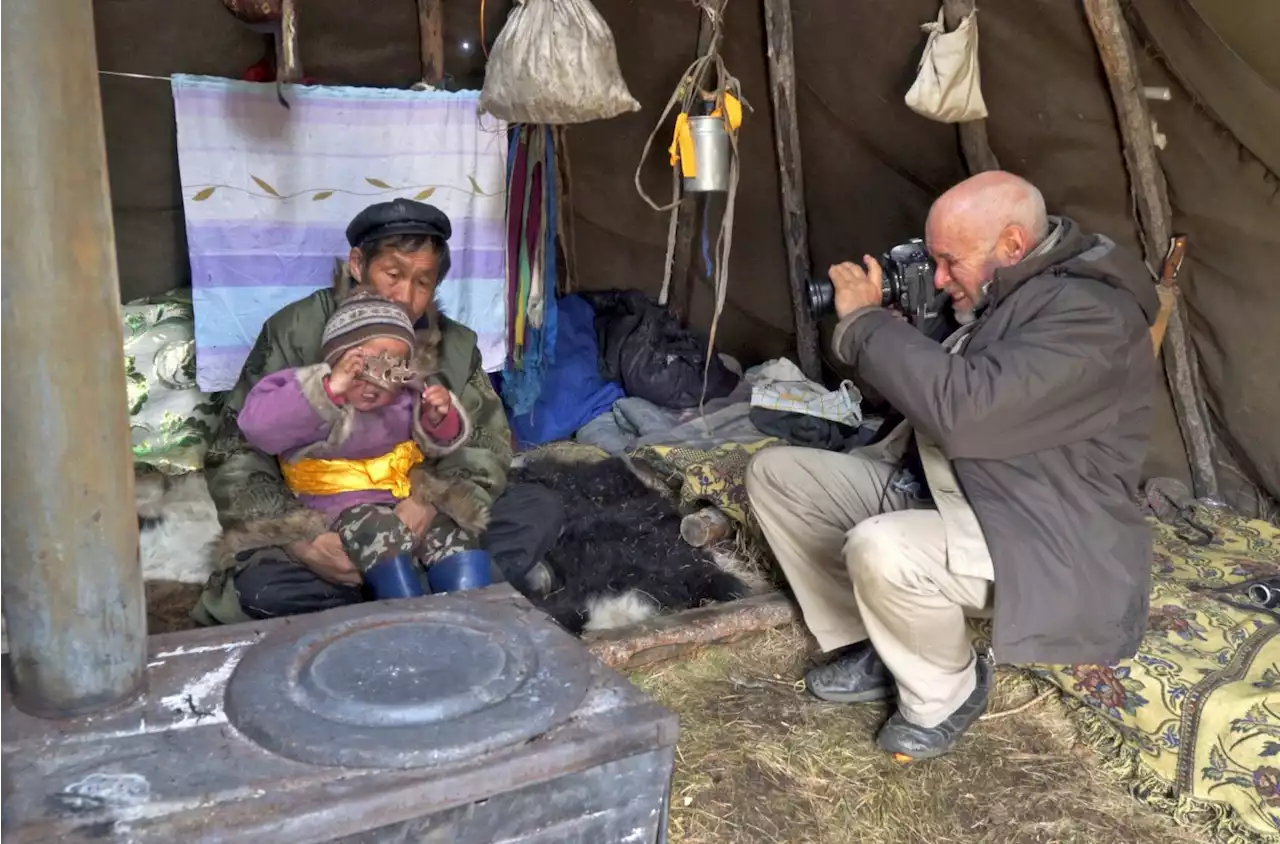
(669, 636)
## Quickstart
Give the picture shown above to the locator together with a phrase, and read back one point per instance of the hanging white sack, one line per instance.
(947, 86)
(555, 62)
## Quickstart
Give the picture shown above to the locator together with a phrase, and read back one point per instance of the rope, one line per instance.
(685, 96)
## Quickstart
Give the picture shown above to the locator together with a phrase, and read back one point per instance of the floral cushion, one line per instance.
(170, 419)
(1199, 705)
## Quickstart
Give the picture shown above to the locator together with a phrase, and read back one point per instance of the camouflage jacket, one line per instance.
(253, 503)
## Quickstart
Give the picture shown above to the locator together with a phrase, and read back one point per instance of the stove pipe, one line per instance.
(72, 580)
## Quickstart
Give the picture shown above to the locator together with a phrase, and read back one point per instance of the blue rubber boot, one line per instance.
(394, 578)
(463, 570)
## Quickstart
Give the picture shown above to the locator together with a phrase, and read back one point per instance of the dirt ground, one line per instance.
(760, 761)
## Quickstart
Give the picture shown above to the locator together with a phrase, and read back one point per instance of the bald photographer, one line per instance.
(1007, 491)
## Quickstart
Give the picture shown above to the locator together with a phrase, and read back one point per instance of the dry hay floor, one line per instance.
(759, 761)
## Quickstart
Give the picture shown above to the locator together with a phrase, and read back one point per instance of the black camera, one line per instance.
(907, 284)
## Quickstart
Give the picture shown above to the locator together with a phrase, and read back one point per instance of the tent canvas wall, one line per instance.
(871, 166)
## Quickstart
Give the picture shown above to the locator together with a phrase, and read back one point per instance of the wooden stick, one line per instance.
(786, 133)
(1111, 32)
(290, 69)
(431, 41)
(1168, 301)
(975, 147)
(1167, 289)
(689, 214)
(669, 636)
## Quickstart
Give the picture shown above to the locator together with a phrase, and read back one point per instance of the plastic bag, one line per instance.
(843, 405)
(643, 346)
(947, 86)
(555, 62)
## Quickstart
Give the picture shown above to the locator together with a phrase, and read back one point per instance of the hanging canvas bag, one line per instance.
(947, 86)
(555, 62)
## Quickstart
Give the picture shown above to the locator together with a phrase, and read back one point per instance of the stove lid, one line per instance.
(380, 686)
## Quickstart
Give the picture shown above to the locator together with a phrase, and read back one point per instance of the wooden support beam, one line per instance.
(786, 133)
(689, 214)
(974, 145)
(290, 69)
(431, 41)
(1111, 32)
(669, 636)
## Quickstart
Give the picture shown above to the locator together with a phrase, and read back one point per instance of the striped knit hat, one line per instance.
(360, 318)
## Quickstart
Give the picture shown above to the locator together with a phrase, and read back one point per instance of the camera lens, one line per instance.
(822, 296)
(890, 281)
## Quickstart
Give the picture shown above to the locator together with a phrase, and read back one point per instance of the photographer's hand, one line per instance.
(855, 288)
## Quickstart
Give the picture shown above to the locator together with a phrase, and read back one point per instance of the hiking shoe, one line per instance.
(855, 675)
(909, 742)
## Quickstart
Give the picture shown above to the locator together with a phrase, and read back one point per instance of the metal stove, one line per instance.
(467, 719)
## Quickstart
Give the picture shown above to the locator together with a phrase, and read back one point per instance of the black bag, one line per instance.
(643, 346)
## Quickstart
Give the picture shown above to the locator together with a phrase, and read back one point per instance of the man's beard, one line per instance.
(974, 303)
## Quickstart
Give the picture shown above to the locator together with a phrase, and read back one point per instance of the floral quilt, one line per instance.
(715, 476)
(169, 418)
(1199, 706)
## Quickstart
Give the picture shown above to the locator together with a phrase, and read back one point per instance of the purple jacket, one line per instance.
(289, 414)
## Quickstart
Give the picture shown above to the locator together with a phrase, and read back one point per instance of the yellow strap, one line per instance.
(682, 148)
(313, 476)
(733, 108)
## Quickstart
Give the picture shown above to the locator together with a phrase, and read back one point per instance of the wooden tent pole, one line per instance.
(290, 69)
(975, 146)
(431, 41)
(795, 227)
(1111, 32)
(688, 215)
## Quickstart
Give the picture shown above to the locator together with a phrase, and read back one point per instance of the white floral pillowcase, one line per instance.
(170, 419)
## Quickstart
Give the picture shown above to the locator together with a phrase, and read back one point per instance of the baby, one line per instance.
(353, 431)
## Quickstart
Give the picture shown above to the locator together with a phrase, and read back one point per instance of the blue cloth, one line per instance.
(573, 391)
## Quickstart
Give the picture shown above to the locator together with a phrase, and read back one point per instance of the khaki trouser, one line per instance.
(866, 562)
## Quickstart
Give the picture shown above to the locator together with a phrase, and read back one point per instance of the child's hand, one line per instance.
(436, 404)
(416, 517)
(349, 368)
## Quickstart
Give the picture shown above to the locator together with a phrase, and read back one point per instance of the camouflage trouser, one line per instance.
(371, 533)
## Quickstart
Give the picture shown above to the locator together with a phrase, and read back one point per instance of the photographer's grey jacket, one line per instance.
(1045, 413)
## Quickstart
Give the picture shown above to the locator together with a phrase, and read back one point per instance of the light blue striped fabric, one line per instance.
(268, 192)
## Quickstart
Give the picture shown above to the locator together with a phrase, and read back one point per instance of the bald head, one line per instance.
(986, 222)
(988, 202)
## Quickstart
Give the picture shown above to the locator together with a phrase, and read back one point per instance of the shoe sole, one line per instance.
(869, 696)
(906, 759)
(933, 753)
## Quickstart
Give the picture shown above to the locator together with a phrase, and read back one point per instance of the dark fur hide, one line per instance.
(619, 536)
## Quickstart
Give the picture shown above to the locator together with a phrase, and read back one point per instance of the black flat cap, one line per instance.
(399, 216)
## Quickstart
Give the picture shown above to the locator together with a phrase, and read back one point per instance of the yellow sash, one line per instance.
(312, 476)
